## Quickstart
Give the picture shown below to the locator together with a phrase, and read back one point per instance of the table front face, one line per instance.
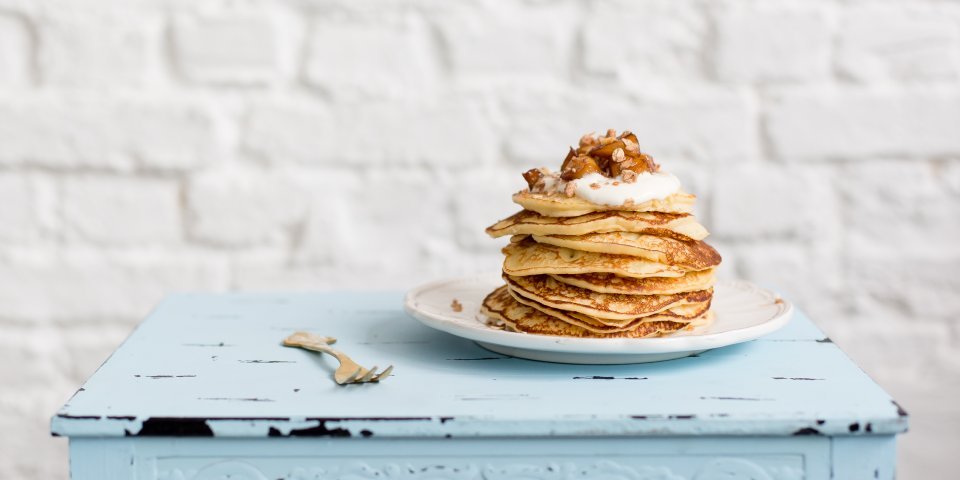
(214, 365)
(671, 458)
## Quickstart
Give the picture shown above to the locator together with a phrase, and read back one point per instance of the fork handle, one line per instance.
(321, 347)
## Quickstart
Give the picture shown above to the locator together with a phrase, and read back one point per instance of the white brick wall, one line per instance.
(147, 147)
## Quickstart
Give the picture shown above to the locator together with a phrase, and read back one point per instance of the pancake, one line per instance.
(526, 222)
(683, 312)
(531, 258)
(689, 255)
(499, 305)
(547, 291)
(681, 315)
(559, 205)
(611, 283)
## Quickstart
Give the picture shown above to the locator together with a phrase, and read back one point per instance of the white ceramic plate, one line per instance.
(743, 312)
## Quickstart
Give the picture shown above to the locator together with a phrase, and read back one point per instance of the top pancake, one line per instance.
(689, 254)
(527, 222)
(560, 205)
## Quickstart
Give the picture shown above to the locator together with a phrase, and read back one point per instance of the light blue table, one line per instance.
(203, 390)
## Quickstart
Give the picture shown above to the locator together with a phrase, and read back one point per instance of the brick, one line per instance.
(242, 208)
(705, 128)
(28, 450)
(899, 44)
(761, 201)
(24, 205)
(379, 59)
(651, 41)
(918, 283)
(483, 43)
(895, 353)
(228, 49)
(15, 51)
(74, 133)
(448, 134)
(123, 211)
(892, 206)
(858, 125)
(771, 46)
(810, 276)
(37, 353)
(403, 219)
(95, 52)
(89, 288)
(471, 215)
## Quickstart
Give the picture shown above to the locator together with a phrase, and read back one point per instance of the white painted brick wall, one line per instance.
(147, 147)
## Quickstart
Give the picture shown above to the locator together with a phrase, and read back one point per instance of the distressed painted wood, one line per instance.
(203, 389)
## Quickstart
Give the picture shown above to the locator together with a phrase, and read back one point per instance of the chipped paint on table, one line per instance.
(211, 367)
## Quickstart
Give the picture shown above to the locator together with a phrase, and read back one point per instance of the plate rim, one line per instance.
(596, 346)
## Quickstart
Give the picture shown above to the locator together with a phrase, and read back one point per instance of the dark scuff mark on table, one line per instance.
(165, 376)
(869, 428)
(320, 430)
(233, 399)
(445, 420)
(173, 427)
(682, 417)
(900, 411)
(267, 361)
(79, 417)
(747, 399)
(121, 417)
(821, 421)
(601, 377)
(807, 431)
(854, 427)
(221, 344)
(797, 378)
(366, 433)
(825, 340)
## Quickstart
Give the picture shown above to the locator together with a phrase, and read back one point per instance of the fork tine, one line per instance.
(353, 378)
(370, 374)
(384, 374)
(343, 380)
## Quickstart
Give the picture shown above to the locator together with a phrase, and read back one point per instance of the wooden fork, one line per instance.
(348, 371)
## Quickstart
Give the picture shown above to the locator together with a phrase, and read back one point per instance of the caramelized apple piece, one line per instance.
(533, 177)
(579, 166)
(566, 161)
(605, 151)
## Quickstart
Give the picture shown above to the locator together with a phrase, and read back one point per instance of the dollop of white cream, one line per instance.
(615, 192)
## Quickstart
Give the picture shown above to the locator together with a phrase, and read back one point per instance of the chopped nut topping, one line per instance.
(570, 189)
(456, 306)
(595, 186)
(588, 139)
(628, 202)
(629, 176)
(609, 155)
(618, 155)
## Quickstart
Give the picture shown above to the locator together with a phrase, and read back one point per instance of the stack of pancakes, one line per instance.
(578, 269)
